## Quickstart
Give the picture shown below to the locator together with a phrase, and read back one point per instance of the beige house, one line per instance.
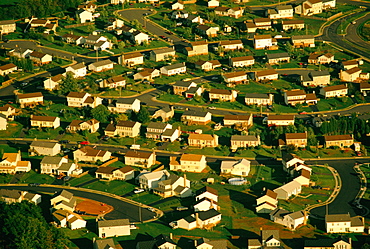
(101, 66)
(85, 16)
(267, 202)
(123, 129)
(223, 95)
(79, 70)
(207, 65)
(40, 58)
(243, 61)
(140, 158)
(150, 180)
(344, 223)
(3, 122)
(113, 82)
(228, 45)
(113, 173)
(50, 164)
(235, 12)
(203, 140)
(239, 77)
(297, 96)
(114, 228)
(263, 41)
(91, 125)
(266, 75)
(281, 12)
(350, 75)
(244, 141)
(156, 129)
(287, 190)
(30, 99)
(7, 26)
(278, 58)
(8, 111)
(258, 99)
(173, 186)
(162, 54)
(296, 139)
(334, 91)
(188, 163)
(173, 69)
(63, 200)
(45, 121)
(147, 74)
(340, 141)
(166, 113)
(292, 24)
(202, 220)
(132, 59)
(89, 154)
(346, 65)
(241, 167)
(52, 83)
(12, 163)
(7, 69)
(289, 219)
(192, 117)
(238, 120)
(81, 99)
(12, 196)
(46, 148)
(303, 41)
(180, 87)
(283, 120)
(197, 48)
(316, 78)
(125, 105)
(207, 31)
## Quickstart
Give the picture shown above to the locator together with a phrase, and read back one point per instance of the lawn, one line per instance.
(144, 197)
(82, 179)
(33, 177)
(114, 187)
(171, 98)
(5, 178)
(13, 130)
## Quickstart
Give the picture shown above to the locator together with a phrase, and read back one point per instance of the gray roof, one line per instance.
(174, 66)
(257, 95)
(279, 213)
(51, 160)
(244, 138)
(194, 113)
(168, 132)
(269, 234)
(192, 90)
(10, 193)
(102, 63)
(297, 215)
(163, 50)
(78, 66)
(156, 125)
(65, 166)
(126, 101)
(66, 194)
(319, 73)
(29, 196)
(105, 244)
(337, 218)
(183, 83)
(44, 144)
(277, 55)
(162, 239)
(113, 223)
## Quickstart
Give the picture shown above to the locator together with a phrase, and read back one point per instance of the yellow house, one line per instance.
(40, 58)
(238, 120)
(7, 26)
(340, 141)
(244, 141)
(12, 163)
(30, 99)
(197, 48)
(140, 158)
(296, 139)
(45, 121)
(7, 69)
(89, 154)
(203, 140)
(243, 61)
(350, 75)
(222, 95)
(188, 163)
(258, 99)
(284, 120)
(334, 91)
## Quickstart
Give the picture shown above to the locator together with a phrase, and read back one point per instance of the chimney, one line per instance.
(171, 237)
(185, 181)
(211, 206)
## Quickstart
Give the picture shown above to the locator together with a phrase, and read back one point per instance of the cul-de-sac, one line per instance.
(184, 124)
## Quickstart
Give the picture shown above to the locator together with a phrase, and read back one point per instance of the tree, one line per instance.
(121, 45)
(114, 40)
(121, 117)
(69, 84)
(100, 113)
(90, 28)
(143, 115)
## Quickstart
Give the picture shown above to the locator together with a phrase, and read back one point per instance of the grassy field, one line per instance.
(33, 177)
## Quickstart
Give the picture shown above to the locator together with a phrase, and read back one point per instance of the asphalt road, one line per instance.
(122, 209)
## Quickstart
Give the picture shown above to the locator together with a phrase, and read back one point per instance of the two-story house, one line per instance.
(12, 163)
(52, 83)
(222, 95)
(296, 139)
(79, 70)
(303, 41)
(203, 140)
(91, 125)
(178, 68)
(267, 202)
(259, 99)
(278, 58)
(289, 219)
(113, 82)
(125, 105)
(192, 117)
(173, 186)
(334, 91)
(142, 159)
(298, 96)
(162, 54)
(277, 120)
(147, 74)
(44, 148)
(265, 75)
(123, 129)
(344, 223)
(188, 163)
(196, 48)
(89, 154)
(292, 24)
(235, 12)
(207, 31)
(280, 12)
(350, 75)
(340, 141)
(7, 26)
(238, 120)
(316, 78)
(244, 141)
(131, 59)
(243, 61)
(233, 78)
(81, 99)
(155, 129)
(30, 99)
(240, 167)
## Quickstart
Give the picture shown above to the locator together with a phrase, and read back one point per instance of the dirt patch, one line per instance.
(93, 207)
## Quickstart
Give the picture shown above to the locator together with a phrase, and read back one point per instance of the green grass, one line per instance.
(114, 187)
(33, 177)
(5, 178)
(13, 130)
(145, 197)
(82, 179)
(170, 98)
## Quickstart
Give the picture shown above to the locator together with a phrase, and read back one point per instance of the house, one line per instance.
(304, 177)
(325, 58)
(244, 141)
(40, 58)
(78, 70)
(235, 12)
(222, 95)
(277, 120)
(114, 24)
(207, 192)
(327, 243)
(207, 65)
(7, 26)
(196, 48)
(241, 167)
(51, 164)
(286, 191)
(192, 117)
(45, 121)
(303, 41)
(190, 19)
(91, 125)
(289, 219)
(266, 75)
(30, 99)
(64, 218)
(316, 78)
(161, 242)
(150, 180)
(180, 87)
(243, 61)
(52, 83)
(113, 173)
(147, 74)
(107, 243)
(228, 45)
(85, 16)
(344, 223)
(142, 159)
(334, 91)
(350, 75)
(203, 140)
(292, 24)
(264, 42)
(73, 39)
(12, 163)
(173, 69)
(346, 65)
(213, 3)
(113, 228)
(88, 7)
(173, 186)
(205, 204)
(162, 54)
(113, 82)
(132, 59)
(298, 96)
(293, 163)
(12, 196)
(297, 139)
(8, 111)
(20, 52)
(3, 122)
(239, 77)
(7, 69)
(46, 148)
(177, 6)
(139, 37)
(82, 99)
(100, 66)
(97, 42)
(340, 141)
(267, 203)
(261, 23)
(238, 120)
(63, 200)
(203, 220)
(89, 154)
(280, 12)
(364, 88)
(188, 163)
(278, 58)
(125, 105)
(123, 129)
(165, 113)
(207, 31)
(313, 7)
(155, 129)
(258, 99)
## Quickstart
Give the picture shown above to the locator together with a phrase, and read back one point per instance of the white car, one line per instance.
(137, 191)
(212, 108)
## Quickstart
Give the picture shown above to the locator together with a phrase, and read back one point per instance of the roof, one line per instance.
(65, 194)
(174, 66)
(76, 95)
(205, 215)
(138, 154)
(257, 37)
(284, 7)
(287, 22)
(296, 135)
(156, 125)
(357, 221)
(92, 152)
(337, 218)
(198, 43)
(338, 137)
(300, 37)
(244, 138)
(106, 170)
(195, 113)
(37, 54)
(102, 63)
(281, 117)
(133, 55)
(57, 77)
(44, 144)
(7, 66)
(126, 169)
(163, 50)
(257, 95)
(10, 157)
(238, 117)
(242, 58)
(78, 66)
(321, 243)
(126, 123)
(201, 136)
(269, 234)
(105, 244)
(7, 22)
(220, 91)
(261, 20)
(254, 242)
(51, 160)
(295, 92)
(182, 83)
(230, 42)
(43, 118)
(234, 74)
(65, 166)
(191, 157)
(206, 189)
(29, 95)
(335, 88)
(10, 193)
(271, 194)
(279, 213)
(266, 72)
(297, 215)
(277, 55)
(126, 101)
(289, 186)
(319, 73)
(113, 223)
(353, 70)
(349, 63)
(155, 174)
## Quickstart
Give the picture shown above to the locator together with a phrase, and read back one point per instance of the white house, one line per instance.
(286, 191)
(113, 228)
(289, 219)
(240, 167)
(78, 70)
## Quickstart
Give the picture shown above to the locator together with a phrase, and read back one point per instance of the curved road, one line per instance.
(122, 209)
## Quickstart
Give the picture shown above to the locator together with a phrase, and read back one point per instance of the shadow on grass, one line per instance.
(247, 200)
(259, 187)
(83, 243)
(240, 237)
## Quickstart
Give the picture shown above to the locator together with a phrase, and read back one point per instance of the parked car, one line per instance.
(211, 107)
(66, 178)
(182, 208)
(84, 142)
(137, 191)
(34, 184)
